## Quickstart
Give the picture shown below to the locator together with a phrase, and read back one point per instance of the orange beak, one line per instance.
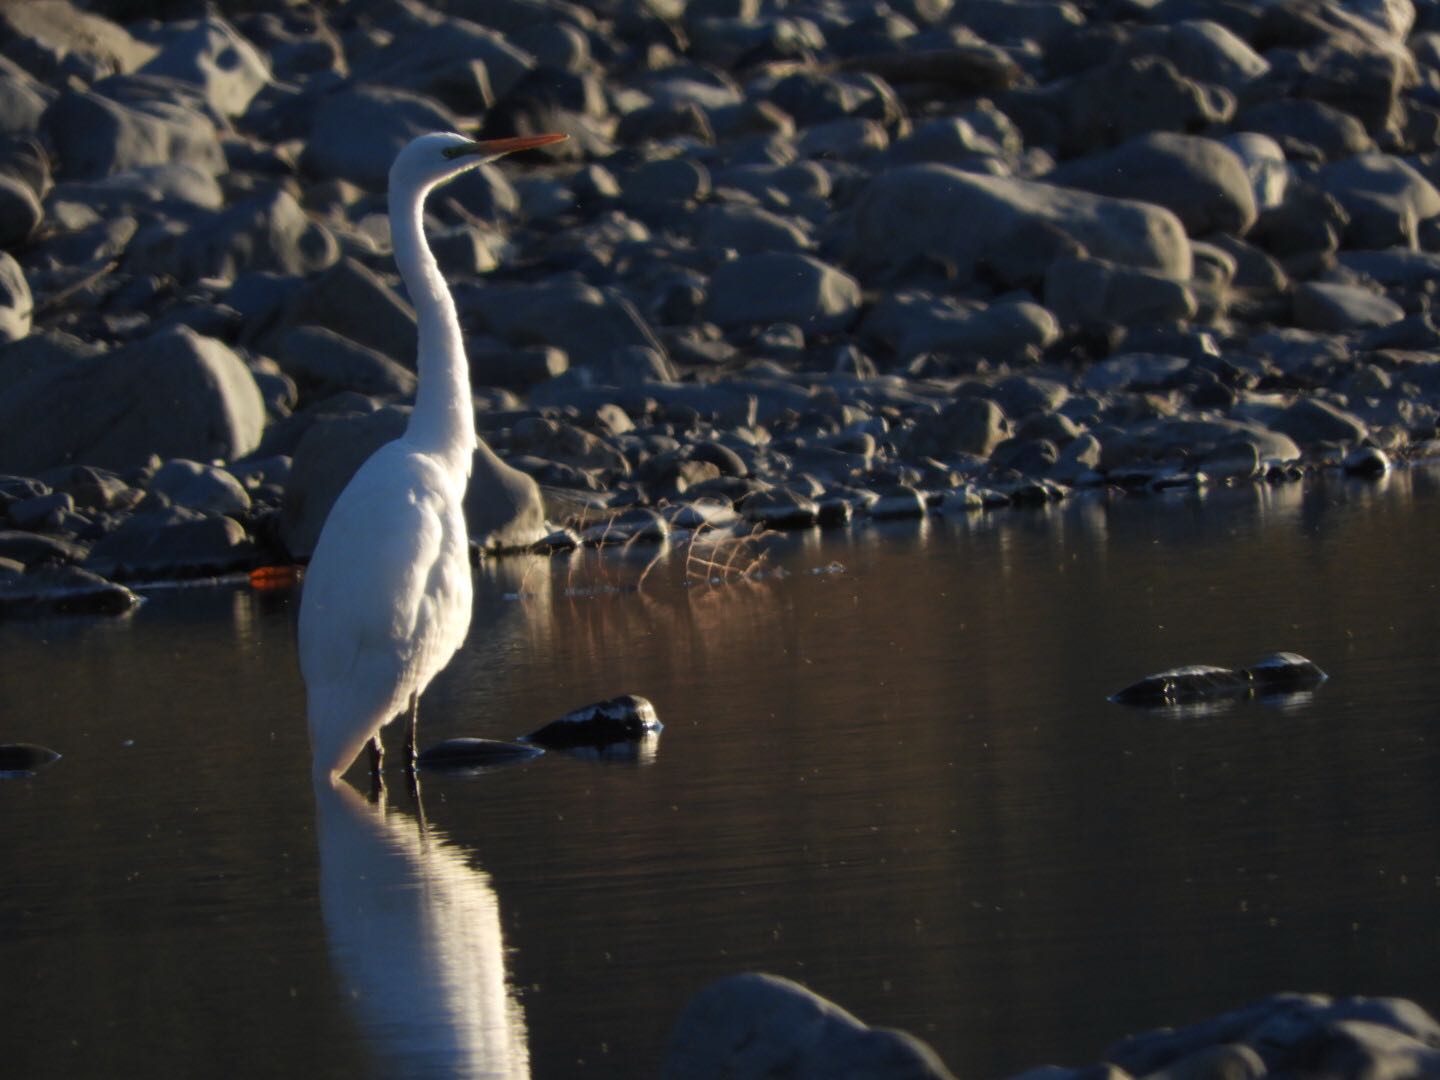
(492, 148)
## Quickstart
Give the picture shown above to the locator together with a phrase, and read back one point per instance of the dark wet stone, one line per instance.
(900, 501)
(780, 508)
(172, 543)
(35, 549)
(1284, 672)
(620, 719)
(461, 755)
(1196, 682)
(755, 1026)
(1366, 461)
(1279, 673)
(64, 590)
(25, 757)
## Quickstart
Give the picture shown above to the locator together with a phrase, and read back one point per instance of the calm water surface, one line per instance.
(898, 782)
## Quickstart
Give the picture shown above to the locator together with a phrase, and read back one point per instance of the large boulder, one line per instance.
(95, 135)
(356, 132)
(757, 1027)
(1386, 199)
(778, 286)
(1201, 180)
(53, 39)
(175, 394)
(586, 322)
(464, 66)
(212, 55)
(1003, 227)
(268, 232)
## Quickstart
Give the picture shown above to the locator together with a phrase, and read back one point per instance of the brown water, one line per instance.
(899, 783)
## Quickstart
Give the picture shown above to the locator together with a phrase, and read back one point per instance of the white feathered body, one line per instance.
(386, 601)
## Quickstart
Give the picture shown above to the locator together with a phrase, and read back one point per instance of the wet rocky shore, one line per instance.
(798, 263)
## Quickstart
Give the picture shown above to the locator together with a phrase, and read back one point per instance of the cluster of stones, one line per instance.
(755, 1026)
(805, 261)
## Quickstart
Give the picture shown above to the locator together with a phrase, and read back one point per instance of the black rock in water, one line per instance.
(462, 754)
(1284, 673)
(620, 719)
(1194, 682)
(1278, 673)
(23, 759)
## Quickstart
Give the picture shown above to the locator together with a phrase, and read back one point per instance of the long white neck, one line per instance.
(443, 422)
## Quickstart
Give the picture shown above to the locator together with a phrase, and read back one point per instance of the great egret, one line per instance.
(387, 594)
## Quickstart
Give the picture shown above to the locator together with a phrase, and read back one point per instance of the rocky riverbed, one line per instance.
(797, 263)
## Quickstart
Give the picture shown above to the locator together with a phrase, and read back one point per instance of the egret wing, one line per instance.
(365, 592)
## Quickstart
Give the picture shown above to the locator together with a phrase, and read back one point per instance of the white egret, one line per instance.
(386, 601)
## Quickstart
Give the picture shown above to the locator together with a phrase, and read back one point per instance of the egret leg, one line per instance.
(410, 732)
(377, 760)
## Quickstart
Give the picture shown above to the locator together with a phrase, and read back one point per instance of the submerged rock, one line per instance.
(621, 719)
(1278, 673)
(23, 759)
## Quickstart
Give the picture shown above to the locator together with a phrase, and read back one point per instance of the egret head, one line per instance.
(432, 159)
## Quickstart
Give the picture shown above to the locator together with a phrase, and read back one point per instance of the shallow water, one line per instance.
(890, 773)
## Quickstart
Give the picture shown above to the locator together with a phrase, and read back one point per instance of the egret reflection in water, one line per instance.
(414, 934)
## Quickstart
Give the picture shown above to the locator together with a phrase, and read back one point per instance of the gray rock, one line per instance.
(1311, 420)
(40, 512)
(170, 188)
(1265, 165)
(913, 323)
(583, 321)
(213, 55)
(60, 590)
(504, 510)
(1109, 104)
(201, 487)
(117, 409)
(171, 543)
(1362, 461)
(353, 301)
(356, 132)
(95, 136)
(1080, 291)
(1134, 371)
(1014, 21)
(16, 304)
(33, 550)
(1334, 134)
(563, 442)
(746, 229)
(968, 426)
(53, 39)
(1011, 228)
(1202, 50)
(1166, 438)
(323, 362)
(1385, 198)
(1200, 180)
(1336, 308)
(756, 1027)
(267, 233)
(670, 180)
(465, 66)
(783, 287)
(22, 100)
(780, 508)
